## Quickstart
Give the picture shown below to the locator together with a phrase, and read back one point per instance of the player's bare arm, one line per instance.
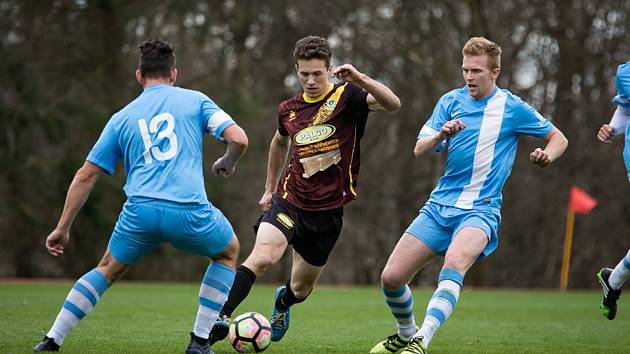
(278, 153)
(556, 144)
(79, 190)
(428, 145)
(237, 143)
(379, 98)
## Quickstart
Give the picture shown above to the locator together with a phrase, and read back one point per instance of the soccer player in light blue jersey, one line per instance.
(612, 280)
(478, 125)
(159, 137)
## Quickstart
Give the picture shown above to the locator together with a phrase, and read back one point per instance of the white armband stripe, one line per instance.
(620, 119)
(216, 120)
(427, 131)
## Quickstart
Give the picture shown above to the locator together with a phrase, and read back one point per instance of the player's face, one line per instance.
(479, 78)
(313, 75)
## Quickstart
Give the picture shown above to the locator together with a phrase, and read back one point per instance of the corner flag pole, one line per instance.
(566, 254)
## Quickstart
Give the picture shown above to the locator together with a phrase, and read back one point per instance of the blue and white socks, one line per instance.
(400, 302)
(80, 301)
(621, 273)
(214, 291)
(88, 290)
(441, 304)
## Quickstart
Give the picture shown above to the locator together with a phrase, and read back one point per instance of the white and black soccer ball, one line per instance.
(250, 333)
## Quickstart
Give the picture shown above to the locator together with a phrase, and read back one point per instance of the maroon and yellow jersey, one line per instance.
(325, 134)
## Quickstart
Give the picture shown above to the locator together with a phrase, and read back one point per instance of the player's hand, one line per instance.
(605, 134)
(265, 201)
(223, 168)
(451, 128)
(540, 157)
(347, 73)
(56, 240)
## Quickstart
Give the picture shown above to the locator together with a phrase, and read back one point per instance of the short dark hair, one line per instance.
(157, 58)
(312, 47)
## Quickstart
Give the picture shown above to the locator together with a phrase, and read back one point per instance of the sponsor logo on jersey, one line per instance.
(313, 134)
(285, 220)
(326, 110)
(292, 115)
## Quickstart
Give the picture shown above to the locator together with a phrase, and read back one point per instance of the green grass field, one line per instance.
(157, 317)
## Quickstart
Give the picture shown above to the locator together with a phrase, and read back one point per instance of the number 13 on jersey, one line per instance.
(151, 151)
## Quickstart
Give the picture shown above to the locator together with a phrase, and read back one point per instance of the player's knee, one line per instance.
(457, 262)
(110, 272)
(391, 280)
(231, 252)
(260, 262)
(229, 255)
(111, 268)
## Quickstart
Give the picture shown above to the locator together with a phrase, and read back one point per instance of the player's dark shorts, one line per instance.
(313, 234)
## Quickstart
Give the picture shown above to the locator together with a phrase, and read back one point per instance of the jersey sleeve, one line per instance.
(281, 129)
(531, 123)
(107, 151)
(621, 101)
(215, 119)
(622, 81)
(433, 125)
(620, 119)
(357, 98)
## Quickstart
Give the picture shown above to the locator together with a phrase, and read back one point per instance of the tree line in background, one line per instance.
(68, 65)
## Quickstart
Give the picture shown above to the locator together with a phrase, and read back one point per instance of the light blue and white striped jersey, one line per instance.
(480, 157)
(622, 80)
(159, 137)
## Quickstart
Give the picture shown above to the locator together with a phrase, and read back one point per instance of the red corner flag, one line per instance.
(580, 202)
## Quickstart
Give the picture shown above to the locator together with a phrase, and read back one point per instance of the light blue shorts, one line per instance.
(437, 224)
(195, 228)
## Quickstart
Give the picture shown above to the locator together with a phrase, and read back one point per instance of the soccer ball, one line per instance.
(250, 332)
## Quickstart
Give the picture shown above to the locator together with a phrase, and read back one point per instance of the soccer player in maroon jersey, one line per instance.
(324, 126)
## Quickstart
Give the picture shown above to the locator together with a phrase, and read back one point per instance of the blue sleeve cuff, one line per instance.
(107, 169)
(550, 127)
(219, 131)
(621, 101)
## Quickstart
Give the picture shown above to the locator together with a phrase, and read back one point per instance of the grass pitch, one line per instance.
(157, 317)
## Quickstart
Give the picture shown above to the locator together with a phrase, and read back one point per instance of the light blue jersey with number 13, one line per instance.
(159, 137)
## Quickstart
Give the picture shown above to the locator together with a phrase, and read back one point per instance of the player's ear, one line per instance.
(139, 77)
(173, 76)
(495, 73)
